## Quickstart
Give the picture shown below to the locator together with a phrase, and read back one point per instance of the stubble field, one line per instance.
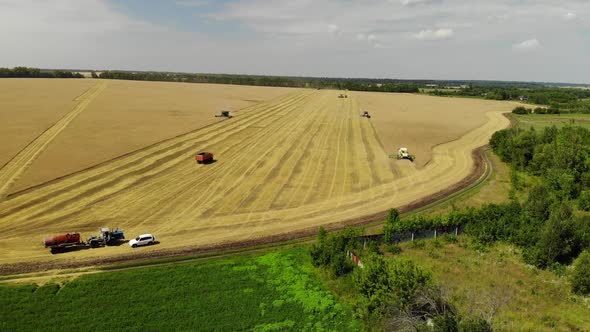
(289, 162)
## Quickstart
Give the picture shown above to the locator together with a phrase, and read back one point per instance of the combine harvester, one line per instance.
(366, 115)
(403, 153)
(225, 114)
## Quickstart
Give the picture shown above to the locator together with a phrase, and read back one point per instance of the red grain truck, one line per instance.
(58, 243)
(204, 157)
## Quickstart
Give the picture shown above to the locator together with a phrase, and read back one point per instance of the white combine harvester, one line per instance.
(403, 153)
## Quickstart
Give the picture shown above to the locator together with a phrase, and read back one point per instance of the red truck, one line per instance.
(58, 243)
(204, 157)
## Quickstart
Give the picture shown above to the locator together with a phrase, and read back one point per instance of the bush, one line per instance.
(475, 325)
(540, 110)
(394, 249)
(584, 200)
(450, 238)
(521, 110)
(391, 224)
(580, 278)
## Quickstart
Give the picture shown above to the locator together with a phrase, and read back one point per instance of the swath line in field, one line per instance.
(12, 171)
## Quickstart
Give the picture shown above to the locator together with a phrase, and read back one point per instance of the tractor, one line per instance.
(366, 115)
(106, 237)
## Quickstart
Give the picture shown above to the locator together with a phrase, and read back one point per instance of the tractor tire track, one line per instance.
(13, 170)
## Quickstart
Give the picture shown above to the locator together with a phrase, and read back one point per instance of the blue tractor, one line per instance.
(106, 238)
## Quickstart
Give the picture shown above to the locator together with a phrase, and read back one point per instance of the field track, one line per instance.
(15, 167)
(304, 160)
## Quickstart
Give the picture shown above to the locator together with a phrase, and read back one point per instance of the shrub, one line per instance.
(580, 278)
(475, 325)
(584, 200)
(450, 238)
(391, 223)
(521, 110)
(394, 249)
(540, 110)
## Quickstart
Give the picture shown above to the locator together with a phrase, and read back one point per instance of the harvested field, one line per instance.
(287, 165)
(28, 107)
(129, 115)
(421, 122)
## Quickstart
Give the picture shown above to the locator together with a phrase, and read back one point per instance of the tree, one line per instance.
(580, 278)
(390, 221)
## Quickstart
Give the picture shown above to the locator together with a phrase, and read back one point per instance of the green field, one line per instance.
(538, 121)
(274, 291)
(524, 298)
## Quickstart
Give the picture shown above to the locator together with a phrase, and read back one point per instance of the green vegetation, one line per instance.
(296, 82)
(540, 121)
(391, 293)
(581, 276)
(495, 284)
(274, 291)
(564, 100)
(537, 110)
(37, 73)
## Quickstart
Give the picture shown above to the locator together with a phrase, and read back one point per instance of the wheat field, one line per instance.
(295, 161)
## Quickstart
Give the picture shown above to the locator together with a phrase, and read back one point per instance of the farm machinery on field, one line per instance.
(403, 153)
(224, 114)
(106, 237)
(366, 115)
(60, 243)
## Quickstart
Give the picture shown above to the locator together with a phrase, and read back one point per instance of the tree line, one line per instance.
(23, 72)
(295, 82)
(569, 100)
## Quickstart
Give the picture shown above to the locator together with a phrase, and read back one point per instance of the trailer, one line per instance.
(204, 157)
(59, 243)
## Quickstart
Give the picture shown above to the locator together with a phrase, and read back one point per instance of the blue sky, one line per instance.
(527, 40)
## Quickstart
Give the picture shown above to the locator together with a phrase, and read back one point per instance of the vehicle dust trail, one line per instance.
(12, 171)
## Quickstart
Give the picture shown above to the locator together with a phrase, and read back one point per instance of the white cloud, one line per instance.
(434, 34)
(191, 3)
(370, 39)
(333, 29)
(527, 45)
(416, 2)
(262, 37)
(570, 16)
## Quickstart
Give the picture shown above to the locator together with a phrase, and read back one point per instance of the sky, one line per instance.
(519, 40)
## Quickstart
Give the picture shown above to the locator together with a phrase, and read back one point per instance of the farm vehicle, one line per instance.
(224, 114)
(59, 243)
(366, 115)
(342, 96)
(403, 153)
(106, 238)
(204, 157)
